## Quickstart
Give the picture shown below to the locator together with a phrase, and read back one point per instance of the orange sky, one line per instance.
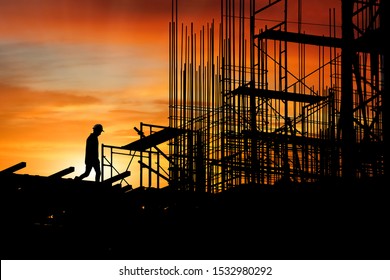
(66, 65)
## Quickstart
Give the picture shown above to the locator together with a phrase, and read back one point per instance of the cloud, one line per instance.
(104, 21)
(49, 128)
(22, 99)
(67, 64)
(74, 66)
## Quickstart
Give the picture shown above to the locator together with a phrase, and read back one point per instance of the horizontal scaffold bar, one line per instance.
(281, 95)
(154, 139)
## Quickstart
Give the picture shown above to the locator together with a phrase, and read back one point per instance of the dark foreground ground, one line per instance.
(329, 220)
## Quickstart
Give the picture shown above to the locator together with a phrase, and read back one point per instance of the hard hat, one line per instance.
(98, 127)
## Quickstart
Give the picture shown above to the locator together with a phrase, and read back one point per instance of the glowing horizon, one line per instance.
(67, 65)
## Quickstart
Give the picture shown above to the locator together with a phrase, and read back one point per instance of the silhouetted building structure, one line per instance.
(268, 153)
(269, 100)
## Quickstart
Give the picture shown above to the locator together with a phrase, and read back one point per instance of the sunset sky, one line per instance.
(66, 65)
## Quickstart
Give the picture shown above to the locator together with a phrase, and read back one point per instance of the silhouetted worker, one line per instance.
(92, 154)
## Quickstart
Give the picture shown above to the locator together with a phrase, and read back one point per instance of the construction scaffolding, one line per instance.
(153, 161)
(270, 120)
(266, 98)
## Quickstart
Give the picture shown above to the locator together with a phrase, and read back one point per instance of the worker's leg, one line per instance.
(88, 169)
(96, 166)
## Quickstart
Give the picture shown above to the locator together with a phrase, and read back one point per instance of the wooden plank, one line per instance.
(14, 168)
(300, 38)
(280, 95)
(62, 173)
(117, 177)
(154, 139)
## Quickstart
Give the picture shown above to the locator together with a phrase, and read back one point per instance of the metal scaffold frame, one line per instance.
(267, 98)
(153, 161)
(254, 117)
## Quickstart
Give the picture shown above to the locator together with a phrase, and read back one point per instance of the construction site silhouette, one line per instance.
(265, 156)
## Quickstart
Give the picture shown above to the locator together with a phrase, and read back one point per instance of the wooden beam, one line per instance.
(62, 173)
(117, 177)
(14, 168)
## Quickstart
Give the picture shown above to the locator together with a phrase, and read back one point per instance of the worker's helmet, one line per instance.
(98, 127)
